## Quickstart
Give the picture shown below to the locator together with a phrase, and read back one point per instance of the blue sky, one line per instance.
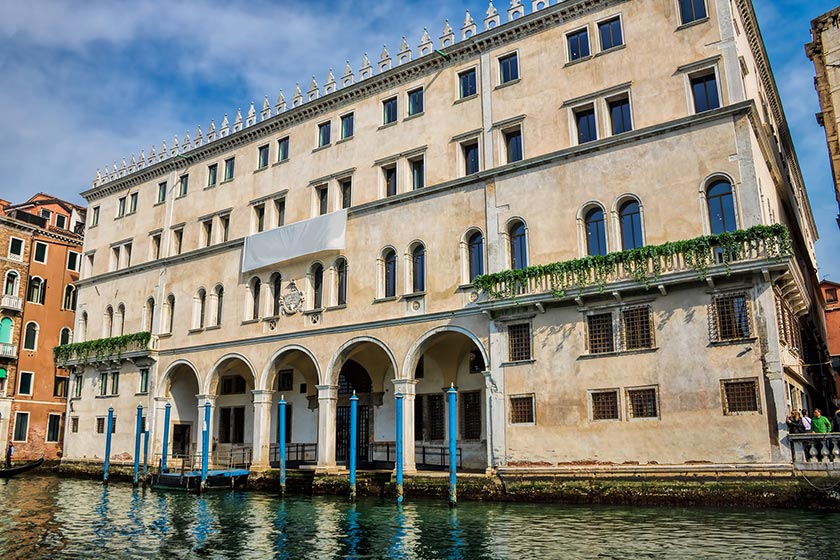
(87, 83)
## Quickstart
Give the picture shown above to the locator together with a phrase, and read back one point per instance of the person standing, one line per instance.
(806, 420)
(819, 423)
(794, 423)
(9, 452)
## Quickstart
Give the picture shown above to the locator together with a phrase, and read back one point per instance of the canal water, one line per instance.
(50, 517)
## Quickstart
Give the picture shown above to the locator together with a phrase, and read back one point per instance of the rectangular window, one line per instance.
(177, 240)
(389, 111)
(207, 231)
(183, 185)
(100, 425)
(74, 261)
(415, 102)
(347, 126)
(286, 379)
(156, 246)
(637, 328)
(705, 92)
(323, 134)
(259, 217)
(232, 424)
(127, 253)
(831, 295)
(471, 161)
(21, 426)
(509, 68)
(74, 424)
(600, 332)
(103, 383)
(692, 10)
(283, 149)
(233, 385)
(161, 196)
(280, 211)
(611, 35)
(16, 249)
(53, 425)
(262, 157)
(323, 194)
(642, 403)
(144, 381)
(390, 176)
(60, 387)
(604, 405)
(212, 174)
(587, 126)
(346, 193)
(418, 173)
(77, 386)
(522, 409)
(94, 217)
(729, 318)
(519, 342)
(121, 207)
(46, 214)
(25, 383)
(620, 115)
(578, 42)
(132, 203)
(467, 83)
(115, 383)
(471, 416)
(513, 144)
(229, 168)
(740, 395)
(60, 221)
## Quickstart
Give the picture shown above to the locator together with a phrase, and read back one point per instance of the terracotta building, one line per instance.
(40, 270)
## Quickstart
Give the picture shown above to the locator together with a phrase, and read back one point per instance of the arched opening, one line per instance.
(418, 268)
(219, 303)
(6, 330)
(256, 288)
(37, 290)
(316, 276)
(108, 323)
(276, 294)
(721, 205)
(181, 388)
(83, 327)
(170, 313)
(148, 324)
(199, 309)
(64, 337)
(70, 297)
(517, 237)
(11, 286)
(475, 250)
(596, 236)
(630, 219)
(30, 336)
(389, 259)
(232, 383)
(341, 281)
(120, 318)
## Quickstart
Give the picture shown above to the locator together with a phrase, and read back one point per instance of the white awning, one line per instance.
(323, 233)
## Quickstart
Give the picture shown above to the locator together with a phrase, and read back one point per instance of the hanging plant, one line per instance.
(100, 348)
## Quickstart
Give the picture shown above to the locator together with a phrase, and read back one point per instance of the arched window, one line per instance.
(721, 207)
(630, 217)
(390, 273)
(83, 327)
(276, 293)
(475, 250)
(220, 300)
(418, 268)
(596, 237)
(70, 297)
(12, 284)
(108, 323)
(518, 245)
(200, 303)
(30, 336)
(6, 330)
(341, 281)
(317, 278)
(37, 289)
(256, 287)
(170, 303)
(64, 337)
(150, 315)
(120, 320)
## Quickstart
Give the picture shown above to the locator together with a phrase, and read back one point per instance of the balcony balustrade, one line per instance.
(8, 351)
(816, 452)
(104, 350)
(13, 303)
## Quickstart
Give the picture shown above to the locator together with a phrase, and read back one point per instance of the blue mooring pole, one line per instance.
(399, 459)
(281, 442)
(108, 429)
(453, 440)
(138, 431)
(205, 445)
(354, 420)
(166, 416)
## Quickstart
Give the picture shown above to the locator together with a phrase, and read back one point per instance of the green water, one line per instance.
(49, 517)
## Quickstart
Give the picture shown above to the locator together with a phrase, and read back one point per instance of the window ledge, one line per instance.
(577, 61)
(465, 288)
(208, 187)
(467, 98)
(271, 318)
(159, 203)
(89, 227)
(336, 307)
(522, 423)
(180, 196)
(389, 125)
(250, 321)
(313, 311)
(506, 84)
(414, 116)
(107, 396)
(281, 162)
(518, 363)
(119, 217)
(343, 140)
(213, 328)
(195, 331)
(733, 342)
(227, 181)
(692, 23)
(618, 353)
(385, 299)
(165, 335)
(260, 169)
(141, 394)
(414, 295)
(605, 420)
(611, 49)
(320, 148)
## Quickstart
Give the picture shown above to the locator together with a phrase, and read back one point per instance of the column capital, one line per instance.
(161, 400)
(206, 398)
(405, 386)
(327, 392)
(262, 396)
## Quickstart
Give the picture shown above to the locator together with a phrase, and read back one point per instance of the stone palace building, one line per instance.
(518, 209)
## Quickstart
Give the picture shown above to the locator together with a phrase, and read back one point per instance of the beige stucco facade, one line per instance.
(666, 161)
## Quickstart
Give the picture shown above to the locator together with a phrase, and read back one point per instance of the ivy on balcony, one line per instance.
(100, 348)
(643, 264)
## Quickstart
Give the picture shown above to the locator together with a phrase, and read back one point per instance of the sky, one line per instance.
(87, 83)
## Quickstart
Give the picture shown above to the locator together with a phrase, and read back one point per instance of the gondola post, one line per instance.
(281, 442)
(354, 437)
(138, 431)
(453, 440)
(205, 446)
(399, 459)
(108, 429)
(166, 416)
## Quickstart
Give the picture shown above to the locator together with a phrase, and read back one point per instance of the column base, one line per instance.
(325, 469)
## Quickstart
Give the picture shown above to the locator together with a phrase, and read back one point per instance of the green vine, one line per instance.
(643, 265)
(100, 348)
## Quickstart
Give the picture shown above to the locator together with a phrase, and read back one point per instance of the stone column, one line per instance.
(408, 389)
(156, 437)
(199, 435)
(327, 399)
(262, 428)
(494, 379)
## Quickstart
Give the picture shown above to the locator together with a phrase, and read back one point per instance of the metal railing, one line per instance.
(8, 350)
(237, 457)
(11, 302)
(296, 454)
(816, 450)
(432, 456)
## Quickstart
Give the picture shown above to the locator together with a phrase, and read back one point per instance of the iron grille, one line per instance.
(637, 327)
(729, 318)
(436, 418)
(605, 405)
(285, 380)
(471, 415)
(601, 337)
(740, 396)
(519, 340)
(522, 410)
(643, 403)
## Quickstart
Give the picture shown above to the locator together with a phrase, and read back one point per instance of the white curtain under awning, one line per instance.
(323, 233)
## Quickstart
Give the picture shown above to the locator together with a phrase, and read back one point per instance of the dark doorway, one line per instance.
(181, 438)
(353, 377)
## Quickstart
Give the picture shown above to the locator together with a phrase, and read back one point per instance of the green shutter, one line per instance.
(2, 373)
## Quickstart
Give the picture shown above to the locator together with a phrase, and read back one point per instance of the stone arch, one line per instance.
(161, 388)
(264, 382)
(211, 383)
(344, 352)
(421, 345)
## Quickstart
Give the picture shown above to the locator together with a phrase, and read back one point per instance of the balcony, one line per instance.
(703, 258)
(131, 347)
(815, 452)
(8, 351)
(14, 303)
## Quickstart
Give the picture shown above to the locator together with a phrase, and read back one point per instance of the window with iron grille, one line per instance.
(101, 422)
(471, 415)
(601, 339)
(285, 380)
(74, 424)
(788, 323)
(605, 405)
(642, 403)
(522, 409)
(637, 327)
(434, 404)
(740, 395)
(519, 342)
(729, 317)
